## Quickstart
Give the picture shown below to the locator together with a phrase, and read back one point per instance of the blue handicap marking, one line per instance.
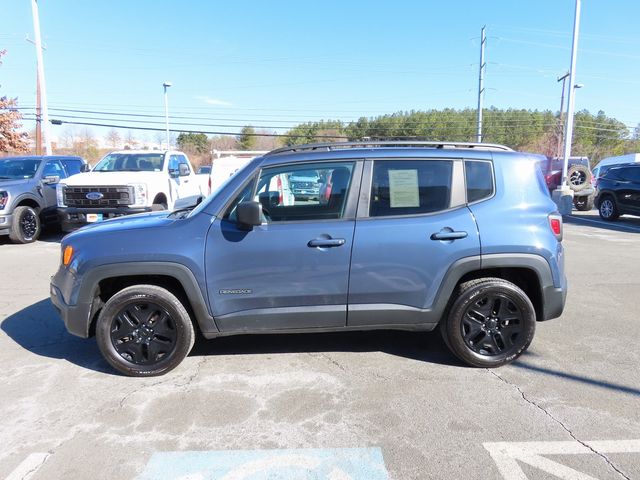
(299, 464)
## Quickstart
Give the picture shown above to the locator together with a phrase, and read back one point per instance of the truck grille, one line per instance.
(111, 197)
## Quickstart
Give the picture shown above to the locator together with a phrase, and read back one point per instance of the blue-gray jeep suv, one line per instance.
(411, 236)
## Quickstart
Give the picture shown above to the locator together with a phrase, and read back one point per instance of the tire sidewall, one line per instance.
(614, 209)
(131, 295)
(467, 298)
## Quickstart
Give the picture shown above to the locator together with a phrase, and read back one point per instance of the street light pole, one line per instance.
(41, 83)
(561, 133)
(166, 111)
(572, 94)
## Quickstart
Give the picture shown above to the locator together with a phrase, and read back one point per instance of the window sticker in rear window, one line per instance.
(403, 188)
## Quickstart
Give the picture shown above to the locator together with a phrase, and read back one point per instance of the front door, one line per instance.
(293, 270)
(415, 226)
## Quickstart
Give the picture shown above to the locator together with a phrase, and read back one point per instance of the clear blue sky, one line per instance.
(282, 62)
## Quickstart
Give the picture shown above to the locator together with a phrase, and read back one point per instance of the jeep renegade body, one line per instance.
(413, 236)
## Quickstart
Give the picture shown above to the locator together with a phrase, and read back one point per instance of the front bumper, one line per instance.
(63, 292)
(5, 224)
(73, 218)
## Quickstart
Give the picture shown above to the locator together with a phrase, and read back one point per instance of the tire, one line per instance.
(475, 330)
(26, 226)
(156, 207)
(144, 331)
(578, 177)
(608, 209)
(583, 204)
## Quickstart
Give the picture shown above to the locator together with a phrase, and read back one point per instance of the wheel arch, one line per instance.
(160, 198)
(105, 281)
(28, 202)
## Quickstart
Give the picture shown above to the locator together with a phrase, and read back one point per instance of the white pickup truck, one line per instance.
(127, 182)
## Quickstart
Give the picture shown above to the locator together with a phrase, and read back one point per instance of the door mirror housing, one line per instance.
(183, 169)
(50, 179)
(249, 215)
(85, 168)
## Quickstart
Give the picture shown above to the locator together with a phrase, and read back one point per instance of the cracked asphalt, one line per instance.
(402, 392)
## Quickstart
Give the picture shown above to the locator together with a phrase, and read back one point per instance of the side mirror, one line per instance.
(248, 214)
(174, 173)
(183, 169)
(50, 179)
(85, 168)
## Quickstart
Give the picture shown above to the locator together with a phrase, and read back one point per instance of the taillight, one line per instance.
(555, 223)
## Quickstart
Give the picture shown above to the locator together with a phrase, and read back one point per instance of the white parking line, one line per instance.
(507, 454)
(28, 467)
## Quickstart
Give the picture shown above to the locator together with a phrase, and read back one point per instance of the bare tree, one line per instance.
(130, 140)
(113, 138)
(69, 137)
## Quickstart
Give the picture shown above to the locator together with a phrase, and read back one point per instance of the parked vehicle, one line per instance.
(126, 182)
(204, 170)
(579, 177)
(619, 192)
(606, 163)
(227, 162)
(28, 193)
(396, 246)
(306, 185)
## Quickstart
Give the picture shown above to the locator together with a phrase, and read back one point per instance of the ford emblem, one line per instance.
(94, 196)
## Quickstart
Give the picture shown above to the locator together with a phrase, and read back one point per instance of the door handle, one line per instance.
(448, 235)
(326, 242)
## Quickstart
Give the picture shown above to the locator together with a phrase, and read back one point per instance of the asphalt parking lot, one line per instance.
(336, 406)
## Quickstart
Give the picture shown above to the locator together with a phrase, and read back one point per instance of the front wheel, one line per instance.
(608, 209)
(144, 330)
(490, 323)
(26, 225)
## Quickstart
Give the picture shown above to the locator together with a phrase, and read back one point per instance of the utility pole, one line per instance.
(483, 42)
(572, 93)
(41, 83)
(561, 133)
(38, 110)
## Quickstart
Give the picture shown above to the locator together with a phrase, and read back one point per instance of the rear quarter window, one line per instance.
(479, 180)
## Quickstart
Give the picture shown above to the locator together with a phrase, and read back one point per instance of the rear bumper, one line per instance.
(73, 218)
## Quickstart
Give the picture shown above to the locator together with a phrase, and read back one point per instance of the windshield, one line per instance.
(18, 168)
(131, 162)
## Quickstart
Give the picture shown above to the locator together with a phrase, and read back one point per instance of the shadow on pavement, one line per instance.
(579, 378)
(623, 224)
(422, 346)
(39, 329)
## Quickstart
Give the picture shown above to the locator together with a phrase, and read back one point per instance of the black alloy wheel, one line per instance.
(492, 324)
(25, 227)
(143, 333)
(29, 224)
(144, 330)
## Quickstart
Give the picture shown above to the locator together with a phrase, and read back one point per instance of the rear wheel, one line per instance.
(144, 330)
(25, 227)
(491, 322)
(608, 209)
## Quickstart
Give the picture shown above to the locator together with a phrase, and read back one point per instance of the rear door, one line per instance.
(412, 225)
(293, 270)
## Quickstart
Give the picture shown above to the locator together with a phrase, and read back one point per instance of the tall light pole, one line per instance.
(41, 83)
(561, 133)
(483, 41)
(572, 94)
(166, 111)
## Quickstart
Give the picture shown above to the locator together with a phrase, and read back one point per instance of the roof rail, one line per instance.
(329, 146)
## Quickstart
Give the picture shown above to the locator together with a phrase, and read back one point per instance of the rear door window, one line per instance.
(410, 187)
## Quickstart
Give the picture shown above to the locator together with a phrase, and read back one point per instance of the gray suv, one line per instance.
(28, 193)
(411, 236)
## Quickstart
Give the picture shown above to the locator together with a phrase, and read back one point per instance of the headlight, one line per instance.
(4, 198)
(60, 194)
(139, 194)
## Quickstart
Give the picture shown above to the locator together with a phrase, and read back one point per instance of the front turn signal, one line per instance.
(66, 255)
